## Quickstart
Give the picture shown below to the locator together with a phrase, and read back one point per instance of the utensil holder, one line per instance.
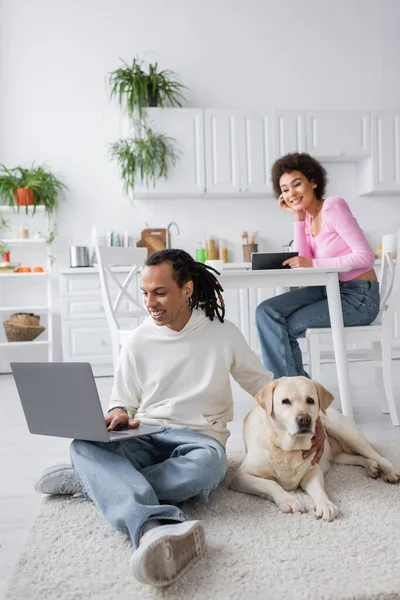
(247, 250)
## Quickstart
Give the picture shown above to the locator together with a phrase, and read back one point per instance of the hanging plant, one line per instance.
(139, 85)
(143, 158)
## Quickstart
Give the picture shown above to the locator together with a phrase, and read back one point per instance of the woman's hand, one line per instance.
(318, 443)
(298, 262)
(297, 214)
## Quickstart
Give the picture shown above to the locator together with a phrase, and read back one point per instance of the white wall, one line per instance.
(54, 104)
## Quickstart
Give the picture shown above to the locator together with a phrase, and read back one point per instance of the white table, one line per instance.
(281, 278)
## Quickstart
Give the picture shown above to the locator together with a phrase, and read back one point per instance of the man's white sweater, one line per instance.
(180, 379)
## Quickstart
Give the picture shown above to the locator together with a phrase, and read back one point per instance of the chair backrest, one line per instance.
(390, 277)
(120, 302)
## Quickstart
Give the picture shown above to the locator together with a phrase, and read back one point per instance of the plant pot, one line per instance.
(152, 99)
(23, 197)
(6, 256)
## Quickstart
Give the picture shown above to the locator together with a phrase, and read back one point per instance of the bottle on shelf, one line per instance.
(211, 249)
(200, 253)
(223, 251)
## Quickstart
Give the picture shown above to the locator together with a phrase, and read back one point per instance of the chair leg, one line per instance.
(115, 350)
(377, 356)
(388, 382)
(314, 356)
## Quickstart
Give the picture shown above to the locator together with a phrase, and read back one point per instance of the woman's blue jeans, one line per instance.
(137, 480)
(281, 320)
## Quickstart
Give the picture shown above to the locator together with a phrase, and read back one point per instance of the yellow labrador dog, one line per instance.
(278, 430)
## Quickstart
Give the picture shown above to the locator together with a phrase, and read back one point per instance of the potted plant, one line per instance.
(33, 186)
(4, 252)
(143, 158)
(139, 85)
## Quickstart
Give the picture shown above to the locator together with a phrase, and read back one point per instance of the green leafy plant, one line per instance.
(51, 236)
(4, 226)
(143, 158)
(47, 189)
(139, 85)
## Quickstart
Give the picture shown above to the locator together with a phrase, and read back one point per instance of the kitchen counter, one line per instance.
(77, 270)
(239, 266)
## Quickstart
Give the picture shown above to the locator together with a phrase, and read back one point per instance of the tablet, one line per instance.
(270, 260)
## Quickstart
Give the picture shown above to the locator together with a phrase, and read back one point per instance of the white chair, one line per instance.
(123, 311)
(378, 336)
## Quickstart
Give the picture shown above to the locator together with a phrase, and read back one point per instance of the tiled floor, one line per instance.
(23, 456)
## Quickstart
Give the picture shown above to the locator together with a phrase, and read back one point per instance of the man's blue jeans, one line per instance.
(281, 320)
(134, 481)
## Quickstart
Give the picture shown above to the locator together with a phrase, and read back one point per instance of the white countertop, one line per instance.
(77, 270)
(244, 266)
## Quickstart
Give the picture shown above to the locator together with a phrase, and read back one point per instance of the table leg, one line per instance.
(339, 345)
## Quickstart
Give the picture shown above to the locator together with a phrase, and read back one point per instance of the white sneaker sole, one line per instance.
(44, 478)
(169, 557)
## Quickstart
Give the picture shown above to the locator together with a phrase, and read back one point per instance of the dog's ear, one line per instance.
(265, 397)
(325, 397)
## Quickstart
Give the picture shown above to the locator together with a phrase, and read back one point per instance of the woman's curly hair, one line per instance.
(306, 164)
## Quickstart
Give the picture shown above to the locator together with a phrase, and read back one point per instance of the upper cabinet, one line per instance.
(289, 132)
(380, 173)
(229, 153)
(338, 135)
(186, 127)
(238, 152)
(222, 153)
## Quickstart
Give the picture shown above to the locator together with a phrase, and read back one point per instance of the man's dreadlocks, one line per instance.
(206, 288)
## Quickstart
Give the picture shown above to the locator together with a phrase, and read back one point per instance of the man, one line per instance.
(174, 372)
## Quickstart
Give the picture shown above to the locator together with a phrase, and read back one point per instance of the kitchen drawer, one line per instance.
(81, 283)
(86, 308)
(88, 342)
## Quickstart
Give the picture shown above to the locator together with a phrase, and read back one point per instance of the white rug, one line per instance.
(254, 551)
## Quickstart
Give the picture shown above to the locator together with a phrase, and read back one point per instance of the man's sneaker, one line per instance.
(59, 479)
(167, 552)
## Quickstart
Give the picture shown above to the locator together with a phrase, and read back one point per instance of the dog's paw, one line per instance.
(373, 469)
(392, 476)
(290, 504)
(326, 511)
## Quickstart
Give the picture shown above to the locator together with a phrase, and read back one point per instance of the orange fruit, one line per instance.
(38, 270)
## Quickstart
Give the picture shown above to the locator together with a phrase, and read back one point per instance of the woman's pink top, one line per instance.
(340, 243)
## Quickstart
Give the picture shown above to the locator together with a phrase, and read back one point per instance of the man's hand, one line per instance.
(117, 418)
(318, 442)
(298, 261)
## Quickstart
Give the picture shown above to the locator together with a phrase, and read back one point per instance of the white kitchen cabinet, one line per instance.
(380, 173)
(338, 135)
(187, 177)
(222, 151)
(289, 132)
(238, 152)
(85, 333)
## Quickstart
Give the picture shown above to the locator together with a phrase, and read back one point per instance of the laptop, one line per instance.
(270, 260)
(61, 400)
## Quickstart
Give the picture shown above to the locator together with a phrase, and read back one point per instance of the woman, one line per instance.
(325, 235)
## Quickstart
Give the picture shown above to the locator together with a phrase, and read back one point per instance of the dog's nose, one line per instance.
(303, 420)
